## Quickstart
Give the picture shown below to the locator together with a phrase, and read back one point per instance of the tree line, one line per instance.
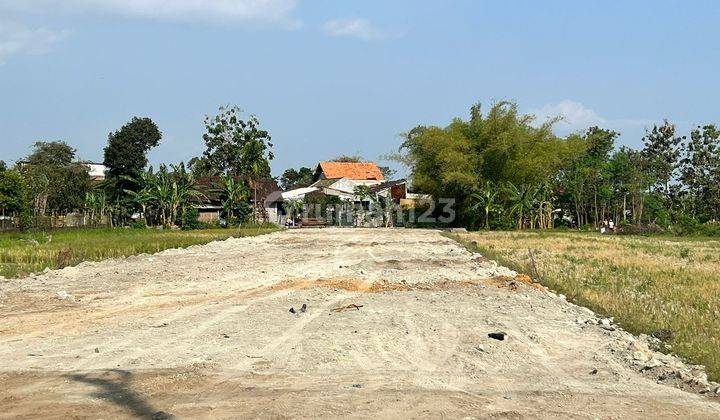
(507, 171)
(52, 181)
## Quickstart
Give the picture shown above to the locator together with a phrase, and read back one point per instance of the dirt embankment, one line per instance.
(207, 332)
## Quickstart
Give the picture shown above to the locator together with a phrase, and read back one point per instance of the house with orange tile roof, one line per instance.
(340, 179)
(356, 171)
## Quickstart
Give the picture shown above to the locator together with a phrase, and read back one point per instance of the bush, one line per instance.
(190, 220)
(139, 224)
(639, 229)
(689, 226)
(685, 225)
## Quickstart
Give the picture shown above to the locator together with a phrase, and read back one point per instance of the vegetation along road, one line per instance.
(25, 253)
(384, 322)
(662, 285)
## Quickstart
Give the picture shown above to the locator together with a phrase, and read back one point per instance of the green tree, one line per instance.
(500, 146)
(235, 146)
(126, 159)
(700, 172)
(56, 183)
(522, 201)
(127, 148)
(233, 192)
(167, 195)
(662, 150)
(486, 199)
(14, 200)
(348, 158)
(296, 178)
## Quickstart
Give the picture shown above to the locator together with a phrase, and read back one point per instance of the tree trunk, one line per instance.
(255, 202)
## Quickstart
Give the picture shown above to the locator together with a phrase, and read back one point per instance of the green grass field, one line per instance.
(646, 283)
(25, 253)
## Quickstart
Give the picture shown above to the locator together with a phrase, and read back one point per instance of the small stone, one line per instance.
(63, 295)
(594, 372)
(652, 363)
(500, 335)
(640, 356)
(662, 334)
(97, 350)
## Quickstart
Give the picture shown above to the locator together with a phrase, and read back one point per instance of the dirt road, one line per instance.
(207, 332)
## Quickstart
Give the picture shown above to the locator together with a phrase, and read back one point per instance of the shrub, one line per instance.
(190, 220)
(639, 229)
(139, 224)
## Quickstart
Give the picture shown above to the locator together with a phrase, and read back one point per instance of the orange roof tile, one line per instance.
(351, 170)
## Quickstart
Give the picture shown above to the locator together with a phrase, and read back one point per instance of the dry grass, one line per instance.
(646, 283)
(22, 254)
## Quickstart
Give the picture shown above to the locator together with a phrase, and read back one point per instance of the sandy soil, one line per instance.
(207, 332)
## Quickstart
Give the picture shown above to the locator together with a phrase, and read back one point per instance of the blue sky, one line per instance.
(333, 77)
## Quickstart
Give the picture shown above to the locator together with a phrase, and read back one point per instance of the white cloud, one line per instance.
(359, 28)
(17, 39)
(575, 116)
(251, 11)
(572, 114)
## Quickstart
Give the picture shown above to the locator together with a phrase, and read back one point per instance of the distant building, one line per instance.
(340, 179)
(210, 208)
(97, 171)
(364, 173)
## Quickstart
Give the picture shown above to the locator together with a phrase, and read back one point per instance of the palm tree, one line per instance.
(232, 192)
(254, 154)
(165, 192)
(96, 205)
(522, 200)
(485, 199)
(143, 197)
(184, 191)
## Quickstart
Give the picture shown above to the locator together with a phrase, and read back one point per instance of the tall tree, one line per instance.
(57, 184)
(662, 150)
(235, 146)
(126, 159)
(126, 151)
(14, 200)
(600, 144)
(700, 171)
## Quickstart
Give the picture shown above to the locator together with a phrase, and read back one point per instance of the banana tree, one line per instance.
(487, 200)
(184, 191)
(522, 200)
(232, 192)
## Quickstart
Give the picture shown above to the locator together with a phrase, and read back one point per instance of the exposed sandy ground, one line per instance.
(206, 332)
